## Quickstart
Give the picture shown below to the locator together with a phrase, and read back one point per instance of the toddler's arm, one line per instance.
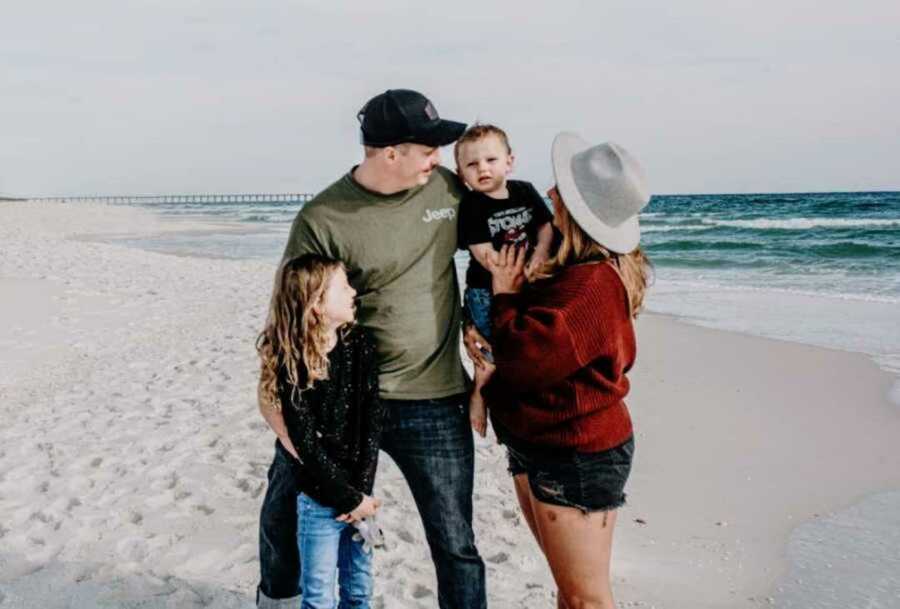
(481, 252)
(541, 250)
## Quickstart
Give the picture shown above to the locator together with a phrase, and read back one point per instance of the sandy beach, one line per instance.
(133, 461)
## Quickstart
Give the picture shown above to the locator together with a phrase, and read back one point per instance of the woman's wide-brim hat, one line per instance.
(603, 188)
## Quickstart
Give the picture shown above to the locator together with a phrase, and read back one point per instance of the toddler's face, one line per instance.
(484, 164)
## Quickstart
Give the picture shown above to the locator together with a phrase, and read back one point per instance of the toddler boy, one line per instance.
(493, 213)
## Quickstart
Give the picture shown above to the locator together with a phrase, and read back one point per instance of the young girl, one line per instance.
(319, 371)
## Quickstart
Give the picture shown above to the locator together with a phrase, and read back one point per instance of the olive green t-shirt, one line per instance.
(398, 250)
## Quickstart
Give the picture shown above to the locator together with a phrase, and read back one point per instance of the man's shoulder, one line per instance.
(336, 192)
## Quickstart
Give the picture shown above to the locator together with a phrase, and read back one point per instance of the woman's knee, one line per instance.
(582, 600)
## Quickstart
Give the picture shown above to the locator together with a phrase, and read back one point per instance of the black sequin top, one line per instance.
(336, 425)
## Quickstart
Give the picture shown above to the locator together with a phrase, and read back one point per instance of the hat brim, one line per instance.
(442, 133)
(620, 239)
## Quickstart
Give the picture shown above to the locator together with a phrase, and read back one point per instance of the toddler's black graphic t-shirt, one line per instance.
(514, 221)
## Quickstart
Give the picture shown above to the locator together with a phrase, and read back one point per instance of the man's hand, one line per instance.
(367, 507)
(507, 269)
(475, 342)
(289, 446)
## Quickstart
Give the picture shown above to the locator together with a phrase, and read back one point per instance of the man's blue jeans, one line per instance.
(326, 544)
(431, 442)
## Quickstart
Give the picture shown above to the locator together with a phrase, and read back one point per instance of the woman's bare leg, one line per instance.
(525, 497)
(578, 548)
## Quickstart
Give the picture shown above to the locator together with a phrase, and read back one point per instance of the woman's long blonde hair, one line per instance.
(578, 247)
(295, 338)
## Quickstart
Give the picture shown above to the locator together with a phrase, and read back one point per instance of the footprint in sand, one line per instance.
(421, 591)
(406, 536)
(499, 557)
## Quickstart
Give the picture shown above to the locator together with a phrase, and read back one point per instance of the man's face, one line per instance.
(414, 163)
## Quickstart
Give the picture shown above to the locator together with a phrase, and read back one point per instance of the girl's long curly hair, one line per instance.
(295, 338)
(577, 246)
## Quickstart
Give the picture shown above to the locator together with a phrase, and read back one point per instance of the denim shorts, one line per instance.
(591, 482)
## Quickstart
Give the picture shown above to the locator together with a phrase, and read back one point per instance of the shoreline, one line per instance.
(138, 466)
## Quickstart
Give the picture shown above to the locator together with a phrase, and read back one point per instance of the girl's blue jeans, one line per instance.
(329, 555)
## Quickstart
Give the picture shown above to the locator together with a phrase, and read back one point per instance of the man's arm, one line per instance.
(275, 420)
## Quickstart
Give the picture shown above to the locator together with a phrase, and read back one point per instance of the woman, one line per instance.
(563, 347)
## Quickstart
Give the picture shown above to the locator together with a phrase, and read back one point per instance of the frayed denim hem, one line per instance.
(264, 602)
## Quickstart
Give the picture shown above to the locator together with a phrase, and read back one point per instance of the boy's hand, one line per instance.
(367, 507)
(538, 258)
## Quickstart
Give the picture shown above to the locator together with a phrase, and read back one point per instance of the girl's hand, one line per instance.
(507, 267)
(367, 507)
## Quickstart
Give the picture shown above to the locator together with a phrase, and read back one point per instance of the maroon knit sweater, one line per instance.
(562, 349)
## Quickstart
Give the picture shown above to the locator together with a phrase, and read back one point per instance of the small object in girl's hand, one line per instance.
(485, 353)
(369, 533)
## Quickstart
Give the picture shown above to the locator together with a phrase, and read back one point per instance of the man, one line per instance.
(392, 221)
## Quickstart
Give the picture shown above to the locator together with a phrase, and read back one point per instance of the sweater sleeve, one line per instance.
(532, 346)
(373, 416)
(540, 342)
(325, 473)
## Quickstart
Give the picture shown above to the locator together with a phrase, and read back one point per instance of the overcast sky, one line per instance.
(139, 96)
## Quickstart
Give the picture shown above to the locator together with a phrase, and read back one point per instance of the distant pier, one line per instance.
(194, 198)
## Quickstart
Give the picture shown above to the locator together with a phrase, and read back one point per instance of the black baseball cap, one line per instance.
(401, 116)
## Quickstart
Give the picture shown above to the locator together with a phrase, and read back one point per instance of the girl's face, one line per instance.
(338, 306)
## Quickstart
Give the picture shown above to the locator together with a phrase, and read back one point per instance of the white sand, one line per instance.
(132, 459)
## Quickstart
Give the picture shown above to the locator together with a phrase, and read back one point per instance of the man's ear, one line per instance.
(391, 153)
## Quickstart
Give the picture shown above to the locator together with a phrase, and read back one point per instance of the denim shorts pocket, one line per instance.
(559, 484)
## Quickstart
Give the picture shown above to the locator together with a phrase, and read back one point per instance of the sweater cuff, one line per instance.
(347, 501)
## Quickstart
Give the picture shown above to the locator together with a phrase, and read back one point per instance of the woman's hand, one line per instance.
(507, 267)
(367, 507)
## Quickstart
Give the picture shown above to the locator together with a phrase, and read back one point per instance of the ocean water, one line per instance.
(820, 269)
